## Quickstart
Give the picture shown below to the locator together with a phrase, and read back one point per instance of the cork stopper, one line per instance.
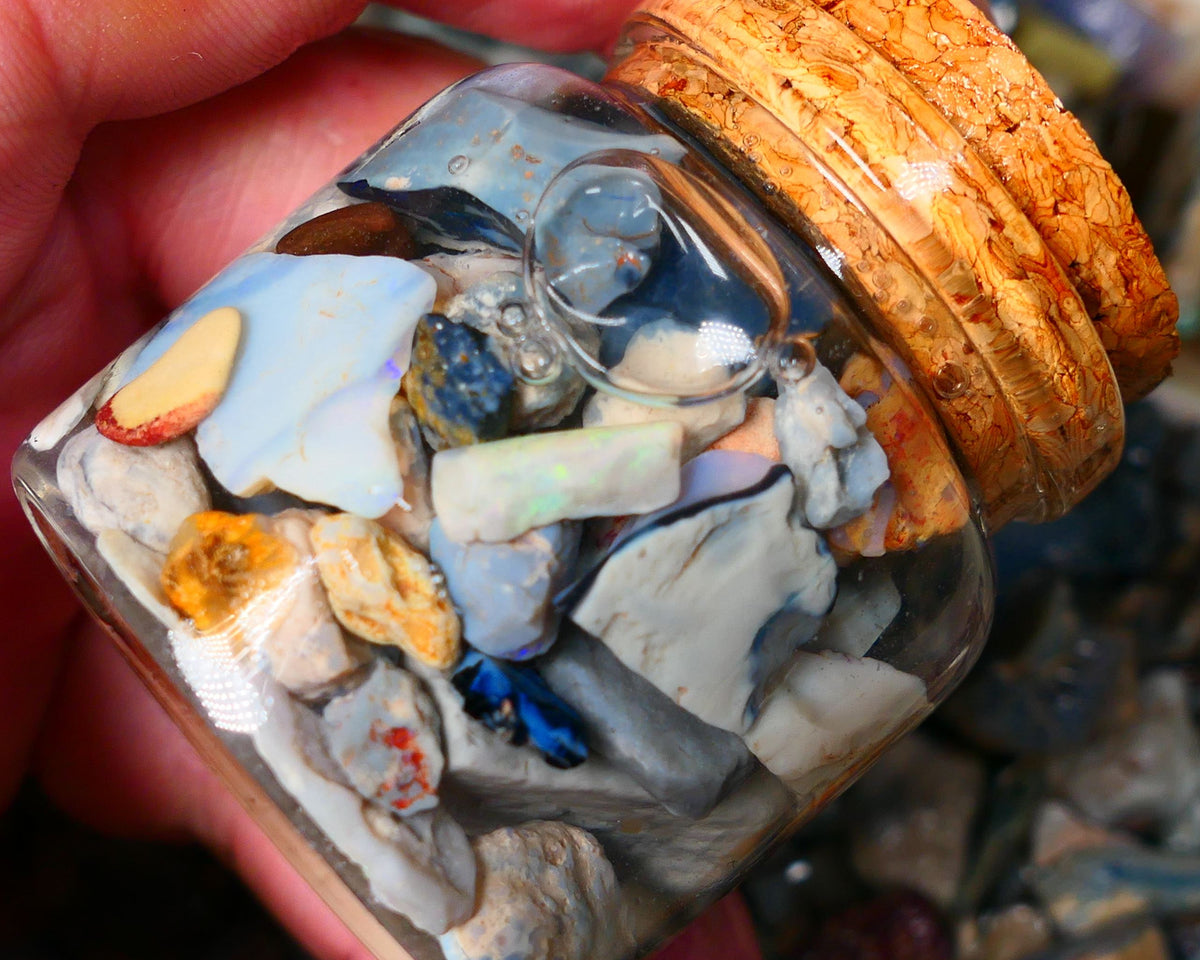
(969, 214)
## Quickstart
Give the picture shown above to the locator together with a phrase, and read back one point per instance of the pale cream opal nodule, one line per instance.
(496, 491)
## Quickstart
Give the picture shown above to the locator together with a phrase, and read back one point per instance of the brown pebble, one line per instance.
(360, 230)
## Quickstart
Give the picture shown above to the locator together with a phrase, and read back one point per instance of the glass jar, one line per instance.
(584, 488)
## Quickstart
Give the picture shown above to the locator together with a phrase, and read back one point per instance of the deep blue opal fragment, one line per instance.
(515, 700)
(445, 216)
(459, 390)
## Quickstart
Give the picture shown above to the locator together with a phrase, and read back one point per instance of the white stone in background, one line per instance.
(682, 599)
(911, 814)
(1059, 830)
(867, 602)
(546, 892)
(422, 867)
(663, 356)
(828, 710)
(385, 736)
(824, 440)
(496, 491)
(1144, 773)
(307, 651)
(145, 491)
(325, 341)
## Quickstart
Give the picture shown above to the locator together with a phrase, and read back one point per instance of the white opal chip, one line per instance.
(687, 597)
(496, 491)
(823, 438)
(828, 713)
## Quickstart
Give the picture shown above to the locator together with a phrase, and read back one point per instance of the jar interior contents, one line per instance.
(538, 520)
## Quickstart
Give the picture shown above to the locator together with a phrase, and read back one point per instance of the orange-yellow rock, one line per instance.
(384, 591)
(227, 572)
(926, 495)
(180, 388)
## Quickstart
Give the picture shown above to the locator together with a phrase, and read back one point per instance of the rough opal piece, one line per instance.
(509, 163)
(504, 591)
(829, 707)
(385, 735)
(823, 438)
(138, 568)
(445, 216)
(1057, 829)
(497, 491)
(180, 389)
(413, 515)
(229, 573)
(306, 651)
(325, 342)
(147, 492)
(596, 234)
(682, 761)
(384, 591)
(507, 783)
(489, 782)
(459, 390)
(664, 356)
(422, 866)
(867, 603)
(546, 892)
(474, 284)
(483, 305)
(682, 599)
(515, 700)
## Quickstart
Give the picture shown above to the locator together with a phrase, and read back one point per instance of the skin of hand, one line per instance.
(143, 145)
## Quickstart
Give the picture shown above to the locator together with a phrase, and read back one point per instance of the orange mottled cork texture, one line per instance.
(946, 259)
(978, 79)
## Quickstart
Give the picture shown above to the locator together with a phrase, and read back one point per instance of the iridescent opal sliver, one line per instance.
(497, 491)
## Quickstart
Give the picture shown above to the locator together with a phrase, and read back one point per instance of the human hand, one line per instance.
(141, 148)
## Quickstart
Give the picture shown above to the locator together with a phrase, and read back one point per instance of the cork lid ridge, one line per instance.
(975, 218)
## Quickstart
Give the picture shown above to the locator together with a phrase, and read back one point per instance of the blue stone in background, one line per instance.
(502, 150)
(1121, 529)
(597, 230)
(515, 701)
(1125, 31)
(459, 390)
(1088, 888)
(504, 591)
(445, 216)
(1046, 680)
